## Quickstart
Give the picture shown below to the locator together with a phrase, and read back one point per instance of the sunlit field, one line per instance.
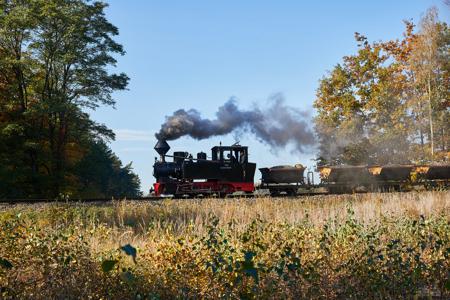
(372, 246)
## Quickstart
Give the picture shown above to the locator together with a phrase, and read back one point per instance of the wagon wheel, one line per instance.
(221, 195)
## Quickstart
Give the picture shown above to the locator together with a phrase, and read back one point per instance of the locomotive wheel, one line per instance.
(274, 194)
(221, 195)
(291, 193)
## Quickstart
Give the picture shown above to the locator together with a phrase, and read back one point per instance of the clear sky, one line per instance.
(198, 54)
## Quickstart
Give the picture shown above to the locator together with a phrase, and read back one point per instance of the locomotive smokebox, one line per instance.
(162, 148)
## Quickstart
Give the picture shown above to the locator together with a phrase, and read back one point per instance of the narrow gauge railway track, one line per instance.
(92, 200)
(186, 197)
(139, 199)
(151, 198)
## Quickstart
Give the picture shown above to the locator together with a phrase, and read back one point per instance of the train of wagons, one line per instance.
(228, 172)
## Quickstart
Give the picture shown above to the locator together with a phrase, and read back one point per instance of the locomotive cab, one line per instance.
(233, 154)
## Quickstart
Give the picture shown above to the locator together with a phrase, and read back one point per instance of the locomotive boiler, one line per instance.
(226, 171)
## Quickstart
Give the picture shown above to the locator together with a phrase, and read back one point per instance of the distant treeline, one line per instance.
(389, 102)
(55, 58)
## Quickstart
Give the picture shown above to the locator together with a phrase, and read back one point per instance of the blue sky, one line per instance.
(198, 54)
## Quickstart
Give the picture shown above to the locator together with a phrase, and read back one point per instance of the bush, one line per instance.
(79, 251)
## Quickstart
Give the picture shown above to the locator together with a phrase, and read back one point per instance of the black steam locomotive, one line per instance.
(226, 172)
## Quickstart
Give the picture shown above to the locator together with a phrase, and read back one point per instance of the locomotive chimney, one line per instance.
(162, 148)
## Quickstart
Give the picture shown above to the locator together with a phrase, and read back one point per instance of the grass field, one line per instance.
(372, 246)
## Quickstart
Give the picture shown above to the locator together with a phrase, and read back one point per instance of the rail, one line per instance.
(90, 200)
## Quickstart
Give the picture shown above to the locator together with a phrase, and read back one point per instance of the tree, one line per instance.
(55, 63)
(101, 174)
(338, 119)
(360, 109)
(424, 63)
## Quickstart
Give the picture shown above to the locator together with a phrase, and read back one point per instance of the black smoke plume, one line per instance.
(277, 125)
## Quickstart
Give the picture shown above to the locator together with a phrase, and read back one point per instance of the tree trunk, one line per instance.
(60, 154)
(53, 167)
(421, 135)
(430, 117)
(21, 87)
(442, 138)
(443, 127)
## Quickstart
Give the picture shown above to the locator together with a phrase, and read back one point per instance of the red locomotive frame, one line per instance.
(219, 188)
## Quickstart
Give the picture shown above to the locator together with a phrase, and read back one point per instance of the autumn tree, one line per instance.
(425, 64)
(360, 109)
(386, 103)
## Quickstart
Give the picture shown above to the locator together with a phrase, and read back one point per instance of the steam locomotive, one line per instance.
(228, 171)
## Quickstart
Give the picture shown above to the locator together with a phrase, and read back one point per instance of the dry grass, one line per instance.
(130, 220)
(367, 208)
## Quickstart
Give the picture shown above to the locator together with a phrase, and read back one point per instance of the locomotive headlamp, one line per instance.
(162, 148)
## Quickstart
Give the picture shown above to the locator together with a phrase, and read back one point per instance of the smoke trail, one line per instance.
(277, 125)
